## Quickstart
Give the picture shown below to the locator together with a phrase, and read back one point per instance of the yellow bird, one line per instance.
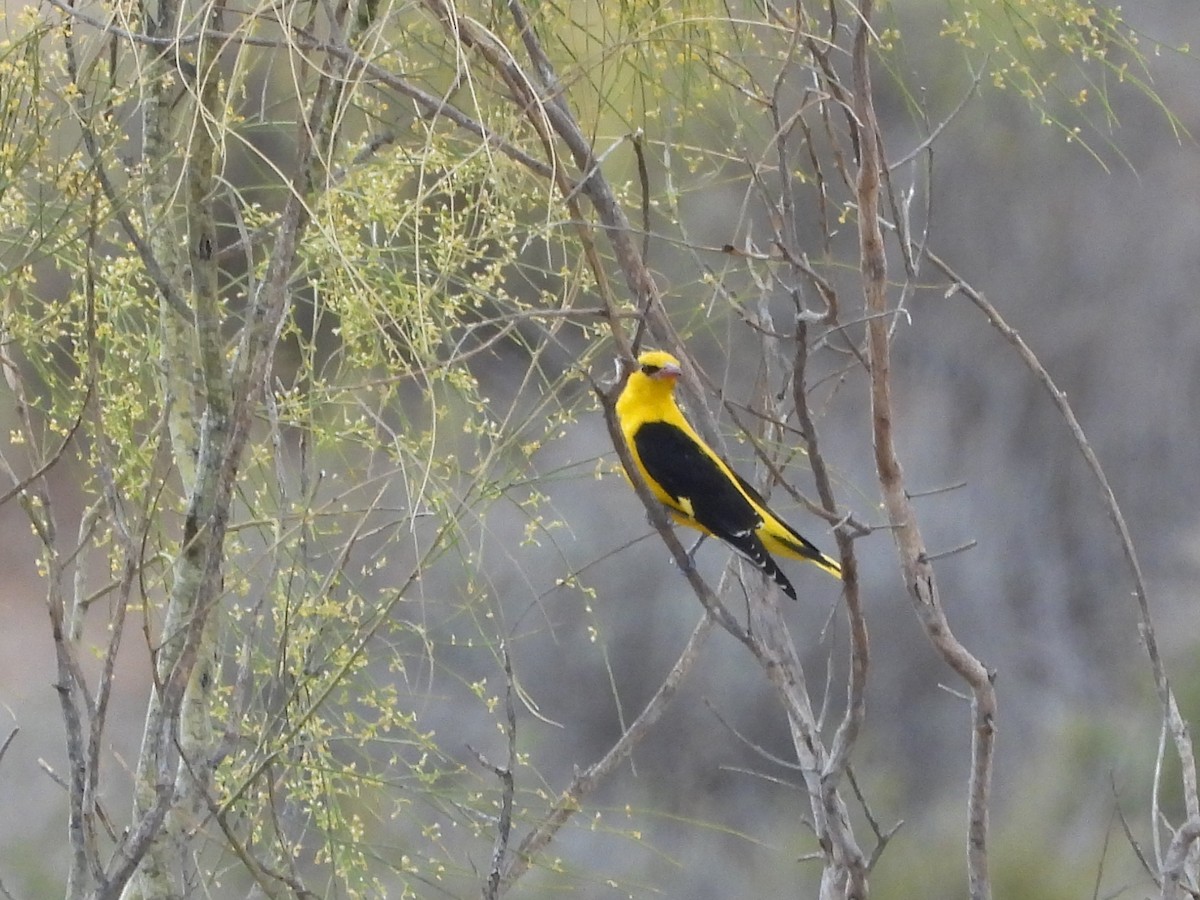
(698, 487)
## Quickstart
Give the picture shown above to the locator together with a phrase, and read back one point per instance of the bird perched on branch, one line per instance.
(699, 488)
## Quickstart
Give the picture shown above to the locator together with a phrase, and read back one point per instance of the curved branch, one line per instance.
(914, 561)
(1172, 718)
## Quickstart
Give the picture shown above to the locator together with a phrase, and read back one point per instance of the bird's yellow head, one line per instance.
(652, 384)
(649, 392)
(658, 365)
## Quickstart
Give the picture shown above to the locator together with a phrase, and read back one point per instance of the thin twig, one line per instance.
(930, 492)
(881, 837)
(1147, 867)
(757, 748)
(942, 554)
(1172, 718)
(941, 126)
(491, 887)
(584, 783)
(644, 179)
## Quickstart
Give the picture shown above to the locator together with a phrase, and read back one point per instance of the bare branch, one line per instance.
(914, 560)
(1175, 863)
(1172, 718)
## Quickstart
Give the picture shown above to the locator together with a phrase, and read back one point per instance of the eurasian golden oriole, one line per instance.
(696, 485)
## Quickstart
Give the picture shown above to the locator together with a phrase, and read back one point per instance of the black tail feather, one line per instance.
(776, 574)
(751, 548)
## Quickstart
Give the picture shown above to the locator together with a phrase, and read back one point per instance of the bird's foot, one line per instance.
(690, 556)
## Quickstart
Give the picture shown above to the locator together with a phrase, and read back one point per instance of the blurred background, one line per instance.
(1091, 253)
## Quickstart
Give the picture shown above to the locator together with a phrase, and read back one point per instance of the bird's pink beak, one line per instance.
(670, 371)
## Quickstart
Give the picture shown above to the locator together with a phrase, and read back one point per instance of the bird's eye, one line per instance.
(649, 369)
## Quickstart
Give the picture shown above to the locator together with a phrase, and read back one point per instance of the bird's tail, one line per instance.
(780, 579)
(751, 548)
(780, 537)
(794, 546)
(771, 569)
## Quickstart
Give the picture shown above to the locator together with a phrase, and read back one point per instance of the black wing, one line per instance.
(695, 481)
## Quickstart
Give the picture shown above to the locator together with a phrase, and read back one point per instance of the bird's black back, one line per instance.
(695, 481)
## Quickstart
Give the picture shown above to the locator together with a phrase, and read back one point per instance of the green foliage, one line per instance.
(1027, 42)
(24, 103)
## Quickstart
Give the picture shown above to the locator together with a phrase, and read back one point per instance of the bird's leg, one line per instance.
(691, 554)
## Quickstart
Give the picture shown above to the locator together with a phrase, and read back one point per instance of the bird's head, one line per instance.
(651, 384)
(659, 366)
